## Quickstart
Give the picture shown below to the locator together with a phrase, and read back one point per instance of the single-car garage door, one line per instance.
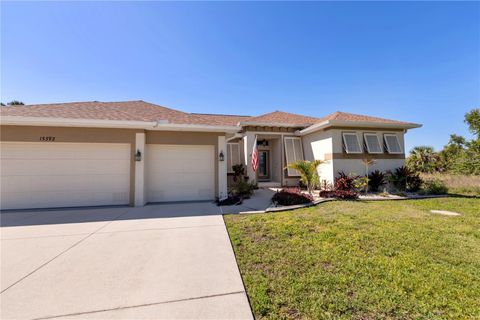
(45, 175)
(180, 172)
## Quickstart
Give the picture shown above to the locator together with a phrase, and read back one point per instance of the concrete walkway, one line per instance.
(261, 200)
(170, 261)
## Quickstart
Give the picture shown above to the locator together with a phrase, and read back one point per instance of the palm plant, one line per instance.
(422, 159)
(308, 172)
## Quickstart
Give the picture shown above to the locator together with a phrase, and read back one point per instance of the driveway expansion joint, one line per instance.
(143, 305)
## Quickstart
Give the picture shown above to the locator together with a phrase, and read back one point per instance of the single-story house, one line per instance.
(134, 152)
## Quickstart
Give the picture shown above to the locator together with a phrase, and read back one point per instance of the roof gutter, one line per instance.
(363, 124)
(194, 127)
(71, 122)
(117, 124)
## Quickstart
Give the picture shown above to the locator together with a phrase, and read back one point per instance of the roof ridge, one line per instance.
(220, 114)
(74, 102)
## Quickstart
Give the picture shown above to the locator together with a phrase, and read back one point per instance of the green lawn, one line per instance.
(362, 260)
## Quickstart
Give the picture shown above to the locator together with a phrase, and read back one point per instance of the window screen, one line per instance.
(293, 152)
(233, 155)
(393, 146)
(372, 143)
(350, 141)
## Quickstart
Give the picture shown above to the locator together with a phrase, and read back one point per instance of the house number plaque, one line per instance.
(49, 138)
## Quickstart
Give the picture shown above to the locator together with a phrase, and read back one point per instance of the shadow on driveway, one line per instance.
(15, 218)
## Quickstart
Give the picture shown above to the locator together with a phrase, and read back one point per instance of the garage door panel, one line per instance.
(180, 173)
(52, 151)
(76, 174)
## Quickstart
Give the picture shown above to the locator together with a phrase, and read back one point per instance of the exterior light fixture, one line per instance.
(138, 156)
(221, 156)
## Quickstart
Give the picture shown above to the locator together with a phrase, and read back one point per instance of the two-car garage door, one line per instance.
(43, 175)
(47, 175)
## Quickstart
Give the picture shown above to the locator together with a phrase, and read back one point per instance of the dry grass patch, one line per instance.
(458, 184)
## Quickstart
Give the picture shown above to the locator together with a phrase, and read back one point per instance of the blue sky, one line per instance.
(410, 61)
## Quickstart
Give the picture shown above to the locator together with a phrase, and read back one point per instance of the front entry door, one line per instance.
(263, 165)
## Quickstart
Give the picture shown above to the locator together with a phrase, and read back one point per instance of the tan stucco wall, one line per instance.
(79, 135)
(317, 146)
(187, 138)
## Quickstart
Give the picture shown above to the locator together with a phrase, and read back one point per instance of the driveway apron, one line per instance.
(155, 262)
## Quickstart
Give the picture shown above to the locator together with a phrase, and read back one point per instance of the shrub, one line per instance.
(361, 184)
(435, 186)
(238, 172)
(345, 182)
(326, 185)
(291, 196)
(244, 189)
(340, 194)
(404, 179)
(376, 179)
(414, 183)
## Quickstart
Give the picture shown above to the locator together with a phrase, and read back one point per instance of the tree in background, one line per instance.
(463, 156)
(13, 103)
(473, 120)
(422, 159)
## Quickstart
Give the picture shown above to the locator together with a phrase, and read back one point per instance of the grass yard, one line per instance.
(362, 260)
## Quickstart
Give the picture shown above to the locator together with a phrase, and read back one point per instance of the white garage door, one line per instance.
(180, 173)
(45, 175)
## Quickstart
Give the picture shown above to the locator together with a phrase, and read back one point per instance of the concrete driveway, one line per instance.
(159, 261)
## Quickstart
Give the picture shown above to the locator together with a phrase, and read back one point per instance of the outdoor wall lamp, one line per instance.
(138, 156)
(221, 157)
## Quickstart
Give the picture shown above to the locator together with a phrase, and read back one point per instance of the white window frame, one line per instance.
(365, 134)
(292, 172)
(385, 135)
(230, 155)
(346, 145)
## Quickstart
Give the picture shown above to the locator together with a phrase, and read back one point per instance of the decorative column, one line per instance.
(140, 170)
(248, 141)
(222, 168)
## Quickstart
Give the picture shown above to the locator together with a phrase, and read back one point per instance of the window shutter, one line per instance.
(393, 146)
(233, 155)
(297, 146)
(229, 157)
(351, 143)
(293, 152)
(373, 145)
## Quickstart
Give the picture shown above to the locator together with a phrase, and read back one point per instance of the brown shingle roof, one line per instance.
(351, 117)
(126, 111)
(144, 111)
(222, 119)
(280, 117)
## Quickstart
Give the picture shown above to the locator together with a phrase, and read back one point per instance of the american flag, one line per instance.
(255, 156)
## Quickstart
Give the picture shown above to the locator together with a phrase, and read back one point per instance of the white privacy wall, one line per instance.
(315, 146)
